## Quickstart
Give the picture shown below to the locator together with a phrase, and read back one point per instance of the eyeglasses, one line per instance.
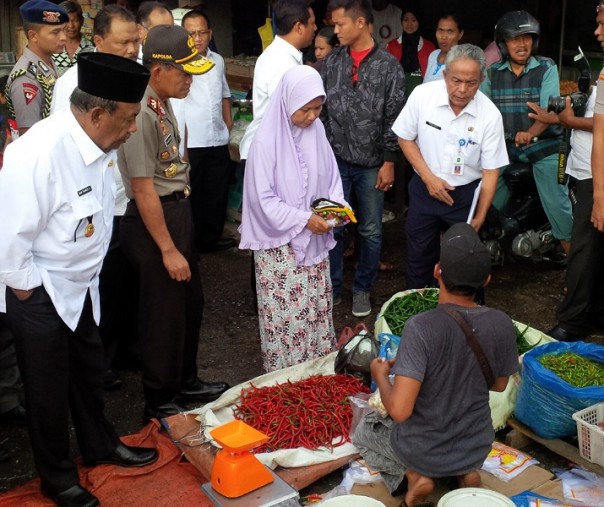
(200, 33)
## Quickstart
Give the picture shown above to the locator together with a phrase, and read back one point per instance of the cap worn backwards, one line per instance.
(172, 44)
(112, 77)
(43, 12)
(464, 259)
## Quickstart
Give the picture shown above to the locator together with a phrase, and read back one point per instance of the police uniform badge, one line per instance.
(43, 66)
(170, 171)
(30, 91)
(165, 155)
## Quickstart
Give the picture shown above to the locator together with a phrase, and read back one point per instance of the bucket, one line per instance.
(352, 501)
(474, 497)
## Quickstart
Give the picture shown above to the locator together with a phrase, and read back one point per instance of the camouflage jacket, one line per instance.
(358, 117)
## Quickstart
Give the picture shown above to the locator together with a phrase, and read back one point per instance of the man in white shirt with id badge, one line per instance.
(452, 135)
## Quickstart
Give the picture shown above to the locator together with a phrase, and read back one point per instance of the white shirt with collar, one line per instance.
(50, 194)
(476, 134)
(63, 89)
(277, 58)
(60, 100)
(201, 109)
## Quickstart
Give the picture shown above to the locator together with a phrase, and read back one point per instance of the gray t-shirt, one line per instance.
(450, 431)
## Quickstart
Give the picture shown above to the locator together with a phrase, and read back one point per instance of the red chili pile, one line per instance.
(310, 413)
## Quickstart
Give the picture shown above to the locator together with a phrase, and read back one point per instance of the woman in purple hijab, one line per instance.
(290, 164)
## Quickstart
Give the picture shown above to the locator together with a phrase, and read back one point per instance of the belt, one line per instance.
(174, 196)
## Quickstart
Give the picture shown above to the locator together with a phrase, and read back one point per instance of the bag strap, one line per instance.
(473, 343)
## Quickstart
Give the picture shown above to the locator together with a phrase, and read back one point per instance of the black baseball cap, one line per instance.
(173, 45)
(464, 259)
(112, 77)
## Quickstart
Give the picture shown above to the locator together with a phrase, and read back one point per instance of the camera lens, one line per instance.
(556, 104)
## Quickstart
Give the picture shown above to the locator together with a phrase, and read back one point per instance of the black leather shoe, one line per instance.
(196, 390)
(76, 496)
(128, 456)
(562, 335)
(15, 415)
(162, 411)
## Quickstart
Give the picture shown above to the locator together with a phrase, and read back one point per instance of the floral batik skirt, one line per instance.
(294, 308)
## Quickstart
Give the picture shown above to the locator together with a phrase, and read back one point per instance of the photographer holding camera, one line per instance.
(519, 77)
(583, 304)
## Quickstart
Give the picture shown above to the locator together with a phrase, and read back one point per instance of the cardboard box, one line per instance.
(239, 83)
(243, 67)
(529, 479)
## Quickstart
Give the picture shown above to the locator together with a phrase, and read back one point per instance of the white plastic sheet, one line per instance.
(221, 411)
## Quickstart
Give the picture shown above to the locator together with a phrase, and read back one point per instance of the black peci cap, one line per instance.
(43, 12)
(112, 77)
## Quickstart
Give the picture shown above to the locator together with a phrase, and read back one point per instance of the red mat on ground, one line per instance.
(168, 482)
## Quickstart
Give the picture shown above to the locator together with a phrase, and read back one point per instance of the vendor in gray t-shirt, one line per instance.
(439, 422)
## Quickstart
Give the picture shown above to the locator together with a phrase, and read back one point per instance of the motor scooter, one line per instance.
(520, 229)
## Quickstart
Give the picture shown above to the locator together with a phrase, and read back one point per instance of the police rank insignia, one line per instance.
(155, 106)
(170, 171)
(165, 155)
(43, 66)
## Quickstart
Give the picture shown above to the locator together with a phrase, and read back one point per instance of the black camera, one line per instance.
(578, 102)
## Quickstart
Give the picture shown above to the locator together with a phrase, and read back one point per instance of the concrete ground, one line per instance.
(229, 347)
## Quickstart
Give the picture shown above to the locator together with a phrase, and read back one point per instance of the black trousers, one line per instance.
(426, 219)
(211, 174)
(62, 372)
(585, 270)
(119, 297)
(11, 387)
(170, 312)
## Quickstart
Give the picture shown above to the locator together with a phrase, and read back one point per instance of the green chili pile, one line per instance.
(522, 343)
(401, 308)
(578, 371)
(312, 413)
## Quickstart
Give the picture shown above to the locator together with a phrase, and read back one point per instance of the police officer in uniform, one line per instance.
(157, 231)
(30, 84)
(52, 251)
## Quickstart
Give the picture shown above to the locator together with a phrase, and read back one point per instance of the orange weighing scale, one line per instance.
(238, 479)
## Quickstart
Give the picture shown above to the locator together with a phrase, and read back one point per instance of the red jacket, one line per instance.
(425, 47)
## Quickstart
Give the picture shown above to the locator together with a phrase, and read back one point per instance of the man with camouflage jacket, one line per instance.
(365, 92)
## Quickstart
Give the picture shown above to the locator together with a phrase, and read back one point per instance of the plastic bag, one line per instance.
(583, 486)
(530, 499)
(360, 408)
(389, 344)
(355, 357)
(505, 462)
(545, 402)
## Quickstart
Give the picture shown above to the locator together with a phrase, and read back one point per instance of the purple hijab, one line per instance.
(286, 170)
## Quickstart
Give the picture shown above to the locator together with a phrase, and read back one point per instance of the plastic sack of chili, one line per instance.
(545, 402)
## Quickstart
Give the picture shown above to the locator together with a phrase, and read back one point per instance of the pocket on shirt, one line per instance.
(85, 206)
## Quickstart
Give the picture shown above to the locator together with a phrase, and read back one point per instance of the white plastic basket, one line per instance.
(591, 437)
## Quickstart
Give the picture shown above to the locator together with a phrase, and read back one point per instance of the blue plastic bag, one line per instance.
(545, 402)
